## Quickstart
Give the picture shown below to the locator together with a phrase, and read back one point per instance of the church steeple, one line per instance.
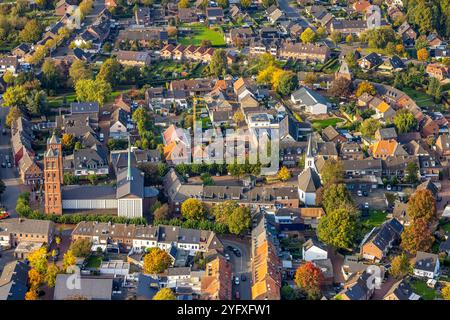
(309, 158)
(129, 176)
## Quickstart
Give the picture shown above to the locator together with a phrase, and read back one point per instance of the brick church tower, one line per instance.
(53, 175)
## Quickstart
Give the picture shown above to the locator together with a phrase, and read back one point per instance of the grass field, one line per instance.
(375, 219)
(420, 287)
(202, 32)
(422, 99)
(321, 124)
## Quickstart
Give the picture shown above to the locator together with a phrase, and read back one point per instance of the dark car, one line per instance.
(237, 252)
(230, 248)
(365, 193)
(243, 277)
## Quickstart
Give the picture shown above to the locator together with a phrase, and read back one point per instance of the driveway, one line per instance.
(241, 265)
(9, 175)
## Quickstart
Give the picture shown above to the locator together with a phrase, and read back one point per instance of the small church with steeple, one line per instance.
(127, 197)
(309, 179)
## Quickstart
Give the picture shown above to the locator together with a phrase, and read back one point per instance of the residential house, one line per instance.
(439, 71)
(393, 64)
(133, 58)
(88, 161)
(177, 145)
(13, 231)
(90, 288)
(304, 51)
(351, 151)
(266, 265)
(426, 265)
(216, 284)
(407, 33)
(386, 134)
(443, 146)
(387, 148)
(379, 241)
(14, 281)
(330, 134)
(371, 61)
(314, 250)
(401, 290)
(313, 102)
(9, 63)
(118, 124)
(187, 15)
(214, 15)
(30, 171)
(346, 27)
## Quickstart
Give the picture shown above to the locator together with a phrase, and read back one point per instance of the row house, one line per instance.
(439, 71)
(191, 52)
(304, 51)
(138, 237)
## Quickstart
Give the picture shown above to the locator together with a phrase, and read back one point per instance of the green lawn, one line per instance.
(202, 32)
(57, 101)
(321, 124)
(422, 99)
(375, 218)
(94, 261)
(420, 287)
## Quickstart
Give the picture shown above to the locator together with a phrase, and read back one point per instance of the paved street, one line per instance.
(241, 265)
(8, 175)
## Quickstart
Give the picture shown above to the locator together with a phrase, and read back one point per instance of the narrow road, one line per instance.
(241, 266)
(8, 175)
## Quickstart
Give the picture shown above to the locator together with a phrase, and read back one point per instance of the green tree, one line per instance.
(434, 89)
(93, 90)
(223, 3)
(164, 294)
(245, 3)
(81, 248)
(336, 37)
(369, 126)
(110, 72)
(400, 266)
(156, 261)
(411, 172)
(288, 82)
(308, 36)
(332, 172)
(338, 228)
(79, 70)
(218, 65)
(404, 121)
(336, 196)
(15, 96)
(193, 209)
(31, 32)
(239, 221)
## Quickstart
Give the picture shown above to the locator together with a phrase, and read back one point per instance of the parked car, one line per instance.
(359, 193)
(230, 248)
(237, 295)
(388, 187)
(105, 113)
(366, 205)
(227, 256)
(243, 277)
(236, 281)
(102, 137)
(9, 165)
(4, 132)
(237, 252)
(3, 165)
(365, 193)
(4, 215)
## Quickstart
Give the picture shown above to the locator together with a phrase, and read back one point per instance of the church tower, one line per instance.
(53, 175)
(309, 158)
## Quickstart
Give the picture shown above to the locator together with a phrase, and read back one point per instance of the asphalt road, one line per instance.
(8, 175)
(241, 265)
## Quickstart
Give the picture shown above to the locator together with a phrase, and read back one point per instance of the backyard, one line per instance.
(422, 99)
(375, 219)
(201, 32)
(420, 287)
(321, 124)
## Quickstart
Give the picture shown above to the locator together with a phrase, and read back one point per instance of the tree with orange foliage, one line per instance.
(422, 205)
(309, 278)
(31, 295)
(417, 237)
(35, 278)
(422, 54)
